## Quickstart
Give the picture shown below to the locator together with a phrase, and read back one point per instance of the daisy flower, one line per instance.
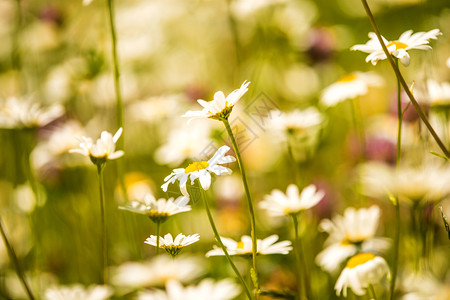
(411, 184)
(158, 210)
(201, 170)
(296, 120)
(158, 271)
(361, 271)
(437, 94)
(77, 292)
(173, 247)
(350, 86)
(398, 48)
(293, 202)
(104, 149)
(348, 233)
(179, 145)
(220, 108)
(207, 289)
(244, 246)
(18, 113)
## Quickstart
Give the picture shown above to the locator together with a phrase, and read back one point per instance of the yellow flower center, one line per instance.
(398, 45)
(359, 259)
(348, 78)
(196, 166)
(240, 245)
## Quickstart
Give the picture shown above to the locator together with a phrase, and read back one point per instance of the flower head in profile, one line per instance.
(413, 185)
(103, 150)
(293, 202)
(244, 246)
(295, 120)
(354, 230)
(349, 87)
(437, 94)
(220, 108)
(77, 292)
(158, 271)
(18, 113)
(398, 48)
(362, 270)
(201, 170)
(173, 247)
(158, 210)
(207, 289)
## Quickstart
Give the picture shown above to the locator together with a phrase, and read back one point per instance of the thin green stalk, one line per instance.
(396, 249)
(400, 118)
(234, 33)
(117, 89)
(104, 254)
(372, 292)
(300, 276)
(158, 223)
(15, 53)
(403, 82)
(15, 261)
(293, 164)
(119, 104)
(359, 129)
(249, 199)
(219, 240)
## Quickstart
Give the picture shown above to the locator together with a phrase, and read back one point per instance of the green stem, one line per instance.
(13, 257)
(224, 249)
(403, 82)
(249, 199)
(400, 118)
(301, 287)
(372, 292)
(359, 127)
(396, 249)
(104, 254)
(158, 223)
(234, 33)
(119, 102)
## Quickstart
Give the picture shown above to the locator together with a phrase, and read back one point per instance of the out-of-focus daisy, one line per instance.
(158, 271)
(173, 247)
(220, 108)
(411, 184)
(52, 152)
(158, 210)
(77, 292)
(104, 149)
(24, 113)
(350, 86)
(361, 271)
(295, 120)
(424, 286)
(179, 145)
(246, 7)
(201, 170)
(448, 62)
(350, 233)
(207, 289)
(156, 109)
(279, 204)
(244, 246)
(398, 48)
(436, 94)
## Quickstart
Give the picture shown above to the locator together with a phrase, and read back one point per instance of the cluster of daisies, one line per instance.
(352, 249)
(352, 236)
